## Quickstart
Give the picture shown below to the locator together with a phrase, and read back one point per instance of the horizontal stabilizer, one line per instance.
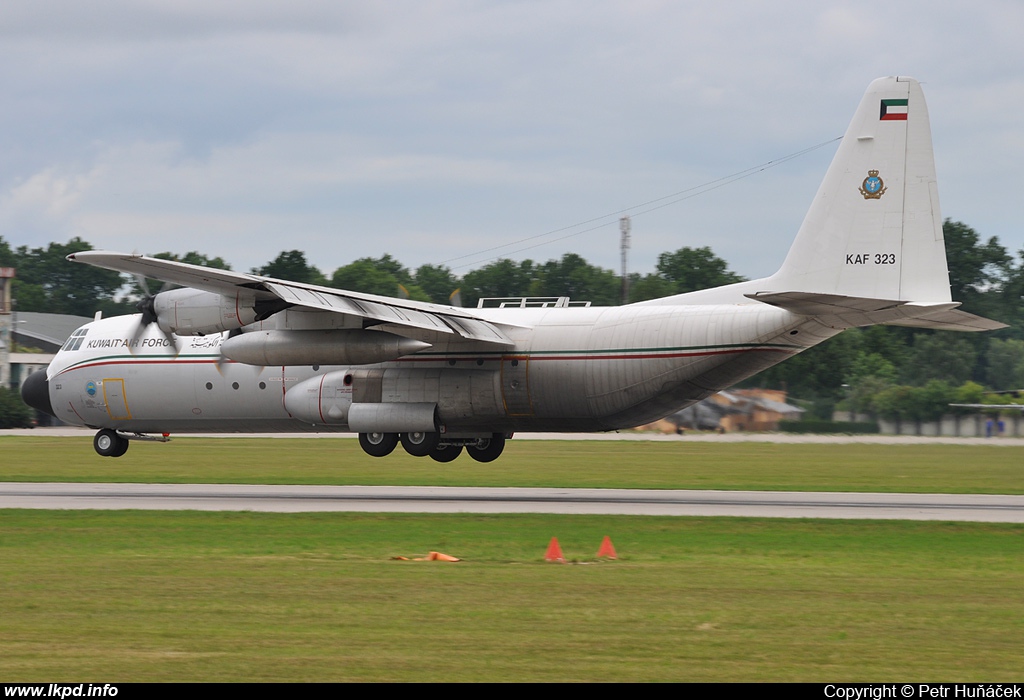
(811, 304)
(952, 320)
(841, 311)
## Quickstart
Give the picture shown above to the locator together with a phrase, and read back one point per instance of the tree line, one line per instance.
(855, 369)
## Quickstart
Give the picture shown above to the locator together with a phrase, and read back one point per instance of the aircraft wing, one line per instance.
(445, 320)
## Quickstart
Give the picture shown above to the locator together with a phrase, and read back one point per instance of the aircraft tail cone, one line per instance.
(607, 549)
(554, 552)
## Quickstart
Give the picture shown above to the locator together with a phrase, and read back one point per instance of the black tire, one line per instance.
(378, 444)
(487, 450)
(123, 448)
(420, 444)
(108, 443)
(446, 453)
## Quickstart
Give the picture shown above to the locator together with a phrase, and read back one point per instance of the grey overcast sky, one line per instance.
(443, 131)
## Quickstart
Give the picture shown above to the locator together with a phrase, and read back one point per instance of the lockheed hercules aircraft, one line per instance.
(233, 352)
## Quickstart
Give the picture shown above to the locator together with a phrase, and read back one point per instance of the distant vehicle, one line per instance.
(237, 352)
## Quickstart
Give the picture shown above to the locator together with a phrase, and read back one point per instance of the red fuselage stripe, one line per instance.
(527, 356)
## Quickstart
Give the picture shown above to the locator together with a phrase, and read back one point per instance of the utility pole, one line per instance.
(6, 337)
(624, 227)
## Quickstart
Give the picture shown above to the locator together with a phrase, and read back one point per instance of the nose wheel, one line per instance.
(108, 443)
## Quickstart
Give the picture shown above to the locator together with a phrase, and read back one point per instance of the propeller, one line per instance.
(146, 306)
(221, 359)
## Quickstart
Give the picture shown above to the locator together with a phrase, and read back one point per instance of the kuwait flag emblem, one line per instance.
(893, 110)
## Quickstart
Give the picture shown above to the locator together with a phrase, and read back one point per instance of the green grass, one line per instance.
(981, 468)
(143, 596)
(150, 596)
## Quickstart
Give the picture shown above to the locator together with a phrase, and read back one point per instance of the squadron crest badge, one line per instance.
(873, 187)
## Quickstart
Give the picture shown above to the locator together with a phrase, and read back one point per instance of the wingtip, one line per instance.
(89, 255)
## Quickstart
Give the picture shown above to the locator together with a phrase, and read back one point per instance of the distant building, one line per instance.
(37, 337)
(737, 410)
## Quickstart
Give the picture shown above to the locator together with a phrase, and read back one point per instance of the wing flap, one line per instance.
(383, 313)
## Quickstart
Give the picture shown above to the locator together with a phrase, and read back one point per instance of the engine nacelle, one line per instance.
(195, 312)
(323, 400)
(325, 347)
(327, 400)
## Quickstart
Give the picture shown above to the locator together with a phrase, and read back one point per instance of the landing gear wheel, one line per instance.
(420, 444)
(122, 448)
(487, 450)
(378, 444)
(446, 453)
(108, 443)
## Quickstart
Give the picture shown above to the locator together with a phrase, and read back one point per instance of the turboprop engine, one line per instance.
(327, 400)
(320, 347)
(323, 400)
(195, 312)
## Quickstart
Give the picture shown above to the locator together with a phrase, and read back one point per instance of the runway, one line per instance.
(437, 499)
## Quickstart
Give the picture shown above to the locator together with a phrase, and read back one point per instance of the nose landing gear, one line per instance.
(111, 443)
(108, 443)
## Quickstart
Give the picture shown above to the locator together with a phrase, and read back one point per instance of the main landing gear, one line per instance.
(110, 443)
(433, 445)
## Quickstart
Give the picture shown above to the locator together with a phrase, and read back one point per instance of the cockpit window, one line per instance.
(75, 341)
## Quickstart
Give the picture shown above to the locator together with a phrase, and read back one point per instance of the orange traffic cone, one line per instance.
(554, 552)
(607, 549)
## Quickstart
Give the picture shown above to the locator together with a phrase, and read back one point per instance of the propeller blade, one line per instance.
(143, 284)
(221, 359)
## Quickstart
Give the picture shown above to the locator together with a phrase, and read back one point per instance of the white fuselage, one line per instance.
(572, 369)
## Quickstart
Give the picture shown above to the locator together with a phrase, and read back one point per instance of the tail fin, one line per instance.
(874, 229)
(870, 249)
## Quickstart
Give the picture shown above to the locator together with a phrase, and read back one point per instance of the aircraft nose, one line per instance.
(35, 391)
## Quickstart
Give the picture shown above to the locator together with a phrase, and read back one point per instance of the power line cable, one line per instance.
(635, 210)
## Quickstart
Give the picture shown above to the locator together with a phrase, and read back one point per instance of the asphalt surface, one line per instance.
(436, 499)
